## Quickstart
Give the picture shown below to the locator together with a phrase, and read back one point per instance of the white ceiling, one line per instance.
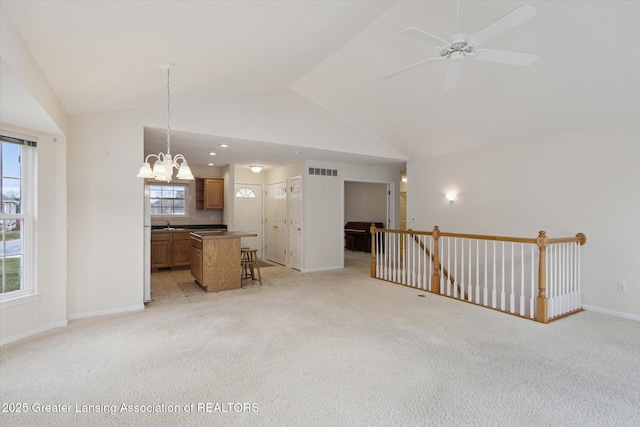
(104, 55)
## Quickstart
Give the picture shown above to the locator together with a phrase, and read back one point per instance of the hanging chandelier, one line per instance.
(165, 163)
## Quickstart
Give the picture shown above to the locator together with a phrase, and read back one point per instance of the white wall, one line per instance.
(586, 181)
(323, 205)
(365, 202)
(30, 107)
(50, 310)
(105, 213)
(280, 116)
(46, 113)
(245, 176)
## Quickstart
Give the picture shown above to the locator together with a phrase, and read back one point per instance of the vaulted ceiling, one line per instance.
(104, 55)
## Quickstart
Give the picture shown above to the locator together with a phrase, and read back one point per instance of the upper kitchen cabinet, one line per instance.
(209, 193)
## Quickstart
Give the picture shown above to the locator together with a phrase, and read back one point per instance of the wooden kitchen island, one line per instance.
(215, 259)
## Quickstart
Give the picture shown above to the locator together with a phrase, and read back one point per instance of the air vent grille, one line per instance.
(323, 172)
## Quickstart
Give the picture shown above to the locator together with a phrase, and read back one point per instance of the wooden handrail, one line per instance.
(542, 242)
(580, 238)
(444, 270)
(472, 236)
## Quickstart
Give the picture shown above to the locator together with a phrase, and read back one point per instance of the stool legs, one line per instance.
(249, 263)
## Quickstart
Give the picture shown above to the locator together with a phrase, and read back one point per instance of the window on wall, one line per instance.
(18, 189)
(168, 199)
(245, 193)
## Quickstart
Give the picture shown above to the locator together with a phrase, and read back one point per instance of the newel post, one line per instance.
(542, 308)
(435, 278)
(373, 250)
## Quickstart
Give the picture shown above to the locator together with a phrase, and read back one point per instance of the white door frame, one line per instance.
(286, 221)
(290, 215)
(261, 210)
(391, 205)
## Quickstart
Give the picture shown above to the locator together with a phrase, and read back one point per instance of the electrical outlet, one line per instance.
(622, 287)
(212, 217)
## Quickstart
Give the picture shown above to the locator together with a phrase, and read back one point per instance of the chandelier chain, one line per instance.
(168, 114)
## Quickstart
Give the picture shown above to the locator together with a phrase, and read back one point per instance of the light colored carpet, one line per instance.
(333, 348)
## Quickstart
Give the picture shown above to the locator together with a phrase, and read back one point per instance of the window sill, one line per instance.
(19, 300)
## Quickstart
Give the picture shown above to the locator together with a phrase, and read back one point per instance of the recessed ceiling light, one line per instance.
(223, 145)
(212, 153)
(210, 164)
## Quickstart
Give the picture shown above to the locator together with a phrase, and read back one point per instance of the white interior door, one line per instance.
(276, 223)
(248, 214)
(296, 224)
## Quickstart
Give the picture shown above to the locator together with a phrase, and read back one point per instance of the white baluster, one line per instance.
(461, 284)
(561, 272)
(485, 290)
(477, 271)
(550, 276)
(448, 267)
(579, 283)
(532, 311)
(522, 279)
(387, 244)
(493, 292)
(430, 276)
(469, 285)
(502, 293)
(512, 302)
(574, 302)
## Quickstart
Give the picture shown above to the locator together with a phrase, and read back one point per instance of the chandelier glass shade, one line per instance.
(166, 163)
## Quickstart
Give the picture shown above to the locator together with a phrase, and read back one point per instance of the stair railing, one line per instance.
(536, 278)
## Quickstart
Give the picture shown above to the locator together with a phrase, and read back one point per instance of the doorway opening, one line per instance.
(365, 202)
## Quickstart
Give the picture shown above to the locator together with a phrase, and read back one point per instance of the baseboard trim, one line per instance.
(35, 331)
(611, 312)
(77, 316)
(311, 270)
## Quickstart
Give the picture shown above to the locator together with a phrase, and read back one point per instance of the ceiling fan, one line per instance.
(460, 45)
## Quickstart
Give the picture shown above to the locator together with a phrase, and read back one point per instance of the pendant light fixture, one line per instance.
(165, 163)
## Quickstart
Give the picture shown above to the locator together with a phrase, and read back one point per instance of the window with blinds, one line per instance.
(17, 233)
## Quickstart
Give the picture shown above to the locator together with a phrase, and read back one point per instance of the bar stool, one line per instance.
(249, 262)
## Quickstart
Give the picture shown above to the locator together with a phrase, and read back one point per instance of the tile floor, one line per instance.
(177, 286)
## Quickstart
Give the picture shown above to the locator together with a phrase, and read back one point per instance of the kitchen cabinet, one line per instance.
(209, 193)
(181, 249)
(196, 258)
(161, 250)
(171, 248)
(215, 259)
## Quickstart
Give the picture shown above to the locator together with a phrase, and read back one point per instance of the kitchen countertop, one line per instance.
(188, 227)
(221, 234)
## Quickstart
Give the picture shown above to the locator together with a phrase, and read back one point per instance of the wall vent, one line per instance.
(323, 172)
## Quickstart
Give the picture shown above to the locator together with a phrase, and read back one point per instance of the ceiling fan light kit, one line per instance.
(460, 45)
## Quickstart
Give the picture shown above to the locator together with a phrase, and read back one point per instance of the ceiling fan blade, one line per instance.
(506, 57)
(451, 75)
(410, 67)
(512, 19)
(420, 35)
